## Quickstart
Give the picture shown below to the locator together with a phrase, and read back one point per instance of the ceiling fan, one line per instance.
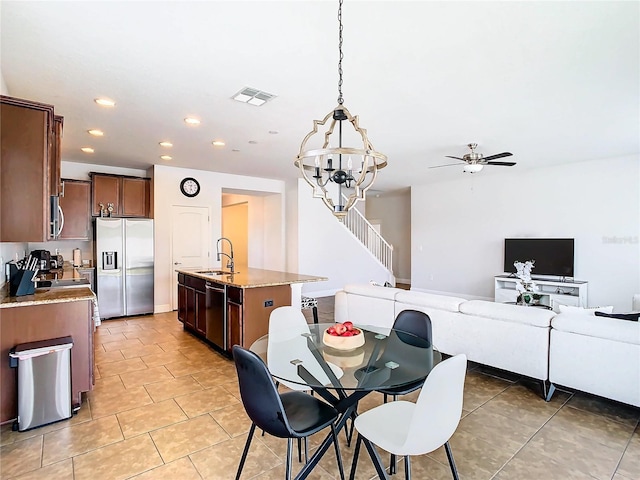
(476, 161)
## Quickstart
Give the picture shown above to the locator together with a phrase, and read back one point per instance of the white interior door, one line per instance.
(190, 240)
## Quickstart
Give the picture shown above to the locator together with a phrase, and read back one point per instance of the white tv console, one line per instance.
(552, 293)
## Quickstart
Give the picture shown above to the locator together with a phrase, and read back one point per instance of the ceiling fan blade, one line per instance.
(498, 155)
(457, 158)
(447, 165)
(502, 164)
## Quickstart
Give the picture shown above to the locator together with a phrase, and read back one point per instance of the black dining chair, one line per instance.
(418, 324)
(285, 415)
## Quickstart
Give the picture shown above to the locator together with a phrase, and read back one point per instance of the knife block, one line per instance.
(20, 281)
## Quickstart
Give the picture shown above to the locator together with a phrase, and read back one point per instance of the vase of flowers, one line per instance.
(525, 285)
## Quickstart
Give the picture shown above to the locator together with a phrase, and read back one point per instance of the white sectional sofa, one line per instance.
(598, 355)
(514, 338)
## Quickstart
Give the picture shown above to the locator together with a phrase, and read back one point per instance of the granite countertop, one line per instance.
(252, 277)
(45, 295)
(49, 295)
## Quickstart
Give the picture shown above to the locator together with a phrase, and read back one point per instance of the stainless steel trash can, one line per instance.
(44, 381)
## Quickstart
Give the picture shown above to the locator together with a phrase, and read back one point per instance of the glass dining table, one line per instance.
(388, 359)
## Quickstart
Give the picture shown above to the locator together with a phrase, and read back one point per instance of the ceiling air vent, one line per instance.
(253, 96)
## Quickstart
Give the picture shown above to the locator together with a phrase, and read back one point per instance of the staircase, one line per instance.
(360, 227)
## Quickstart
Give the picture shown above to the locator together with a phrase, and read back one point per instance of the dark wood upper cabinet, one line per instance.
(27, 138)
(55, 183)
(105, 191)
(135, 197)
(76, 208)
(129, 196)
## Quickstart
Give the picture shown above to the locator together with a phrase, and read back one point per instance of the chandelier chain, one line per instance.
(340, 100)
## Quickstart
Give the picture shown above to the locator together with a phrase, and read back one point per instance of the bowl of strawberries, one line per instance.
(343, 336)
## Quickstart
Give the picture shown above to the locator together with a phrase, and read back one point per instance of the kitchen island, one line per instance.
(227, 309)
(47, 314)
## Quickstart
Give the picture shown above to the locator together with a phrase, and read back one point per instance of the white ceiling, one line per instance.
(551, 82)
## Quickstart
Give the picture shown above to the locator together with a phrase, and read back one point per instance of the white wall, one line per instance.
(4, 90)
(459, 227)
(166, 192)
(328, 249)
(393, 212)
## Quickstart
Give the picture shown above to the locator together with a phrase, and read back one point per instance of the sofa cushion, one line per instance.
(376, 291)
(538, 317)
(421, 299)
(599, 327)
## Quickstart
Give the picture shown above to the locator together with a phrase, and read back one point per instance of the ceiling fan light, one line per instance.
(473, 167)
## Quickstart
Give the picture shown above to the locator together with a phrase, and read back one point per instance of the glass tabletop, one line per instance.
(387, 359)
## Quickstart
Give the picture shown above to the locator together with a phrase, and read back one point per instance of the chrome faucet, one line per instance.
(230, 263)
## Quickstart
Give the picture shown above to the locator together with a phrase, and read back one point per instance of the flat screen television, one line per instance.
(553, 256)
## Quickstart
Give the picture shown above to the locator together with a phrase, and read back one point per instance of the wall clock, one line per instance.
(189, 187)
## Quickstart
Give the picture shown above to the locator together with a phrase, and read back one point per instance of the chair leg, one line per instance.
(392, 462)
(306, 449)
(287, 470)
(300, 450)
(315, 315)
(452, 463)
(356, 453)
(407, 467)
(246, 450)
(337, 447)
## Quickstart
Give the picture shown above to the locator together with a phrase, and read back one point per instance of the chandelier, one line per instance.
(339, 175)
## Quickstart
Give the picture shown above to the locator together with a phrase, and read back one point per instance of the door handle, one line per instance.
(177, 263)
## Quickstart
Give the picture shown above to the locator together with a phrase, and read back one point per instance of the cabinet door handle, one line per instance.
(177, 263)
(61, 221)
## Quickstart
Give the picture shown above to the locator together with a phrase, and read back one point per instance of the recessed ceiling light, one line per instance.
(105, 102)
(191, 121)
(165, 157)
(253, 96)
(218, 143)
(95, 132)
(253, 142)
(273, 132)
(166, 144)
(87, 149)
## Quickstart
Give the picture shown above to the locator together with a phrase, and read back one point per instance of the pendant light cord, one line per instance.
(340, 100)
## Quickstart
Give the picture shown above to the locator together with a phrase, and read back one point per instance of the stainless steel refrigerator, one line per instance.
(124, 256)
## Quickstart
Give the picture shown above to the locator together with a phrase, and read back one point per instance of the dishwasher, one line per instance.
(216, 319)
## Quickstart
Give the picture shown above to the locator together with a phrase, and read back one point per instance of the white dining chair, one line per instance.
(405, 428)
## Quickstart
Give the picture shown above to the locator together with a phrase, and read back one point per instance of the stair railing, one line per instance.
(369, 237)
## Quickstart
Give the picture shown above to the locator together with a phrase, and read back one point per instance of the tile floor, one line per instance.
(166, 406)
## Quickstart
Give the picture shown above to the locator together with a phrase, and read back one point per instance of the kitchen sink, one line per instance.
(66, 283)
(216, 272)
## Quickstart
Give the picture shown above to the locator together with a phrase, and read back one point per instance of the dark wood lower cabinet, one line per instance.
(201, 312)
(45, 321)
(234, 317)
(246, 312)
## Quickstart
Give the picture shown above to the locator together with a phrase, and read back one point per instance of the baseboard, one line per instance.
(162, 308)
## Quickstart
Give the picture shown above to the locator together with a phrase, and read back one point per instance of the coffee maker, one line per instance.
(44, 259)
